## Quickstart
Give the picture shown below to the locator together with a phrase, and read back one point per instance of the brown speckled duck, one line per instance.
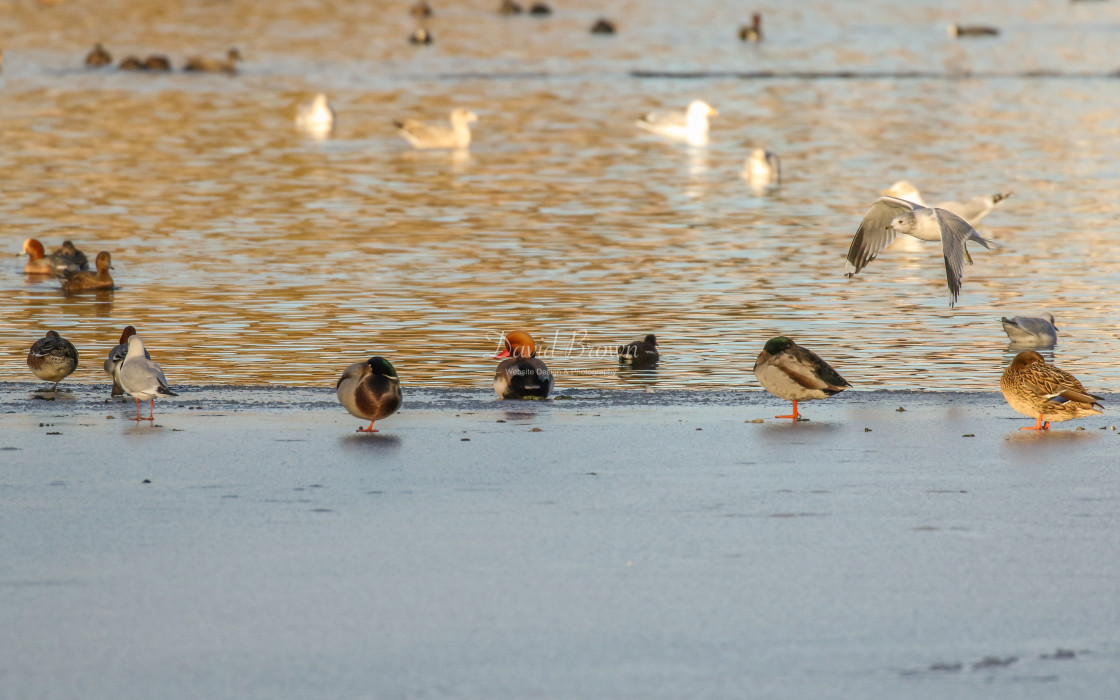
(370, 390)
(98, 57)
(793, 373)
(520, 375)
(52, 358)
(84, 280)
(1043, 391)
(205, 64)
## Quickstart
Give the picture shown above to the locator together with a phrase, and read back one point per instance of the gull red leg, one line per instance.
(795, 415)
(137, 418)
(370, 429)
(152, 411)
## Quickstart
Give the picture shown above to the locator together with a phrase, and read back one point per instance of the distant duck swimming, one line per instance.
(84, 280)
(142, 378)
(64, 258)
(690, 126)
(205, 64)
(370, 390)
(957, 31)
(52, 358)
(98, 57)
(316, 117)
(432, 136)
(640, 354)
(752, 33)
(510, 7)
(794, 373)
(112, 364)
(420, 36)
(1032, 331)
(521, 375)
(1042, 391)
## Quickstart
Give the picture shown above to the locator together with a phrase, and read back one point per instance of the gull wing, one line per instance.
(873, 236)
(664, 118)
(955, 232)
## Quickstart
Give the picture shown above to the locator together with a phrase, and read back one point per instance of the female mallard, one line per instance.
(205, 64)
(422, 135)
(142, 378)
(112, 364)
(52, 358)
(791, 372)
(1043, 391)
(521, 375)
(98, 57)
(640, 354)
(84, 280)
(370, 390)
(64, 258)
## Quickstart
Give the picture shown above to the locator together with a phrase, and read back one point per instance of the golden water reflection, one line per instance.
(246, 253)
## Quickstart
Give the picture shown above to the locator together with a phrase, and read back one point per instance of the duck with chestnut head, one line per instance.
(520, 375)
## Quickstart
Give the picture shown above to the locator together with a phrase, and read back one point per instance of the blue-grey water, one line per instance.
(248, 253)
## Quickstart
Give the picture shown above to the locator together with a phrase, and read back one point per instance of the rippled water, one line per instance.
(248, 253)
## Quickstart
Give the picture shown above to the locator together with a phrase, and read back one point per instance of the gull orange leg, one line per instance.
(152, 411)
(370, 429)
(795, 415)
(1038, 425)
(137, 418)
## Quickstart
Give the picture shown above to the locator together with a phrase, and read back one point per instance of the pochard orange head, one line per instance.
(34, 248)
(127, 333)
(518, 344)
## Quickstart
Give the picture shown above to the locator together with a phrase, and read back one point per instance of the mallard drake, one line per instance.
(1042, 391)
(98, 57)
(640, 354)
(1027, 330)
(521, 375)
(112, 364)
(425, 136)
(762, 169)
(316, 117)
(752, 32)
(52, 358)
(793, 373)
(891, 216)
(370, 390)
(84, 280)
(65, 258)
(142, 378)
(205, 64)
(971, 210)
(690, 125)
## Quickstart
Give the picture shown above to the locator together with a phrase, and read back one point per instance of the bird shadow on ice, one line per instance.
(371, 442)
(783, 428)
(1035, 442)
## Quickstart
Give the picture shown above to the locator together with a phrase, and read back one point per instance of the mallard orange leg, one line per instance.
(795, 415)
(1039, 425)
(370, 429)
